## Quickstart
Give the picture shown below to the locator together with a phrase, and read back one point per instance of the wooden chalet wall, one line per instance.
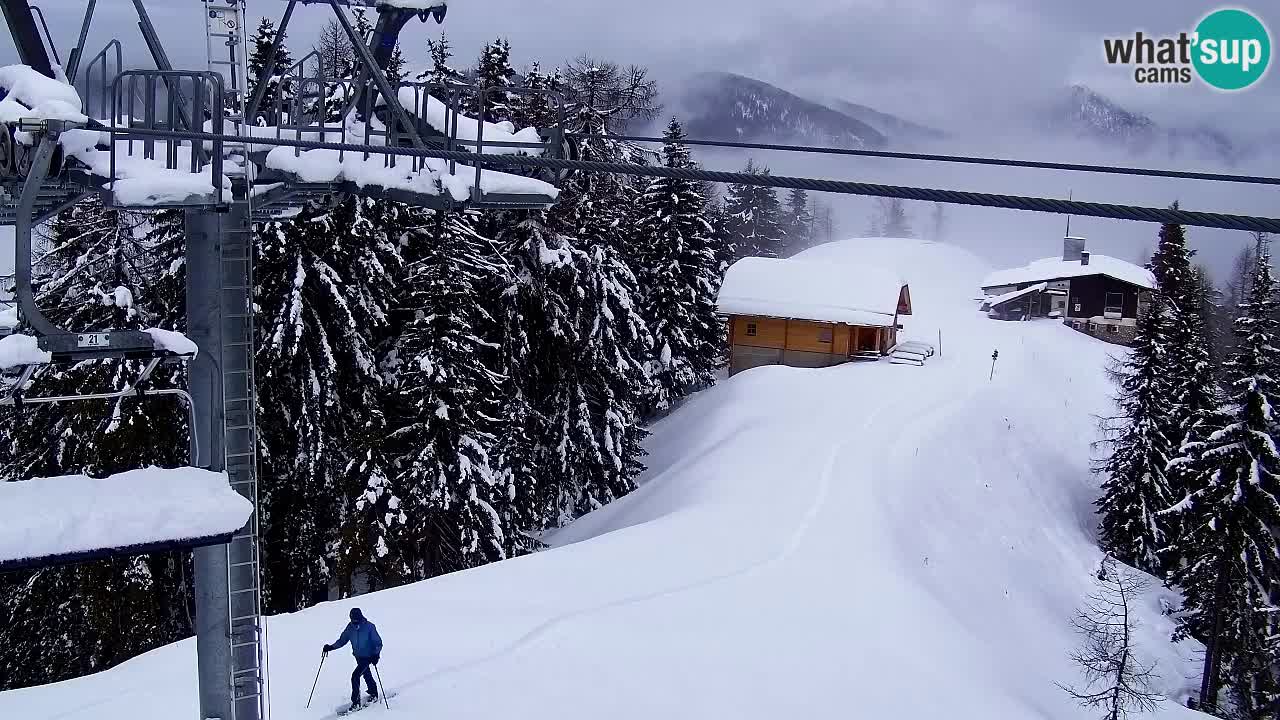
(756, 341)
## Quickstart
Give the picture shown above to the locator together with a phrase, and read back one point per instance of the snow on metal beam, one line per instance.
(74, 518)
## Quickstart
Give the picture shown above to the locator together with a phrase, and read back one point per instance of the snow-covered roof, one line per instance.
(1002, 299)
(1055, 268)
(827, 292)
(75, 515)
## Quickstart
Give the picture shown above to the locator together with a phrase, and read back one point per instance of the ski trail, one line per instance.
(821, 493)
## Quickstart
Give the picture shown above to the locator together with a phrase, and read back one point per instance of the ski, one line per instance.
(346, 709)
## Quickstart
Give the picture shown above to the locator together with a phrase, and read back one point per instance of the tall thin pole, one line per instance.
(1070, 196)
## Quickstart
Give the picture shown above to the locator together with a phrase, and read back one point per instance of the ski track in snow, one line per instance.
(793, 543)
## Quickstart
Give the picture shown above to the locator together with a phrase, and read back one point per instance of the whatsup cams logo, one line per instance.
(1229, 49)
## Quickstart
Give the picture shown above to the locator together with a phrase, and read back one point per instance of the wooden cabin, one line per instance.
(806, 314)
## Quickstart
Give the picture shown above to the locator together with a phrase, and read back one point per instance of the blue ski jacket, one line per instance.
(363, 636)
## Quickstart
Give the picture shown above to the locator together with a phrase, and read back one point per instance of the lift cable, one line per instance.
(954, 197)
(964, 159)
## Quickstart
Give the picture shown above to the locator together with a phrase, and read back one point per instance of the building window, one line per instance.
(825, 335)
(1113, 329)
(751, 329)
(1093, 327)
(1115, 303)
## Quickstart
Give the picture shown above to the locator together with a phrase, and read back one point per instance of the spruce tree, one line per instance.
(451, 404)
(572, 347)
(258, 58)
(536, 106)
(799, 225)
(754, 218)
(1230, 518)
(1193, 393)
(678, 273)
(1136, 486)
(494, 75)
(324, 283)
(441, 72)
(395, 67)
(890, 219)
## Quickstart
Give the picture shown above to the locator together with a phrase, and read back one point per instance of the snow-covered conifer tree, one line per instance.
(1231, 516)
(258, 58)
(450, 401)
(572, 333)
(1136, 487)
(1193, 392)
(679, 277)
(754, 219)
(494, 75)
(440, 72)
(799, 223)
(324, 281)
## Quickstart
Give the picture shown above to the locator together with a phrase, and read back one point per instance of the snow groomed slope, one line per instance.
(869, 540)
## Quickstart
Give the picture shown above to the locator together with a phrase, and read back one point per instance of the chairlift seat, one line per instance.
(76, 519)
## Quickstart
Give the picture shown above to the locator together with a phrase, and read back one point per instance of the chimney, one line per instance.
(1084, 257)
(1071, 248)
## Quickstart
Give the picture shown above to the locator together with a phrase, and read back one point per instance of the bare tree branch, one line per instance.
(1116, 682)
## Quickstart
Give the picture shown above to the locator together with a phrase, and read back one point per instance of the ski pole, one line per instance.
(317, 680)
(383, 686)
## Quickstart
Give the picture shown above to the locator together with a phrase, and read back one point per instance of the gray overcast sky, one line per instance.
(959, 64)
(937, 60)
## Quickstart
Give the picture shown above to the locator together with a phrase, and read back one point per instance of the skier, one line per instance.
(366, 645)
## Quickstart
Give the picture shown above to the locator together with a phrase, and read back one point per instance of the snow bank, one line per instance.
(332, 166)
(51, 517)
(174, 342)
(414, 4)
(436, 114)
(323, 166)
(860, 294)
(27, 93)
(867, 540)
(140, 181)
(18, 350)
(1055, 268)
(459, 184)
(8, 318)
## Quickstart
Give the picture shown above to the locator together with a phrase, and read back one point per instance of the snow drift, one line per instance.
(868, 540)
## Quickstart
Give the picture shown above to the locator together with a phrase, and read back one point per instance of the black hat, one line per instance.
(356, 615)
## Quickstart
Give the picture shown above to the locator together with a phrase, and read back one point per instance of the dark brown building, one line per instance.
(1095, 294)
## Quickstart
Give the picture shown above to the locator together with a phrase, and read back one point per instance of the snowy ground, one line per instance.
(861, 541)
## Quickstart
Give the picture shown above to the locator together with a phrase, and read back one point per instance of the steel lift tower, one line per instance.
(196, 140)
